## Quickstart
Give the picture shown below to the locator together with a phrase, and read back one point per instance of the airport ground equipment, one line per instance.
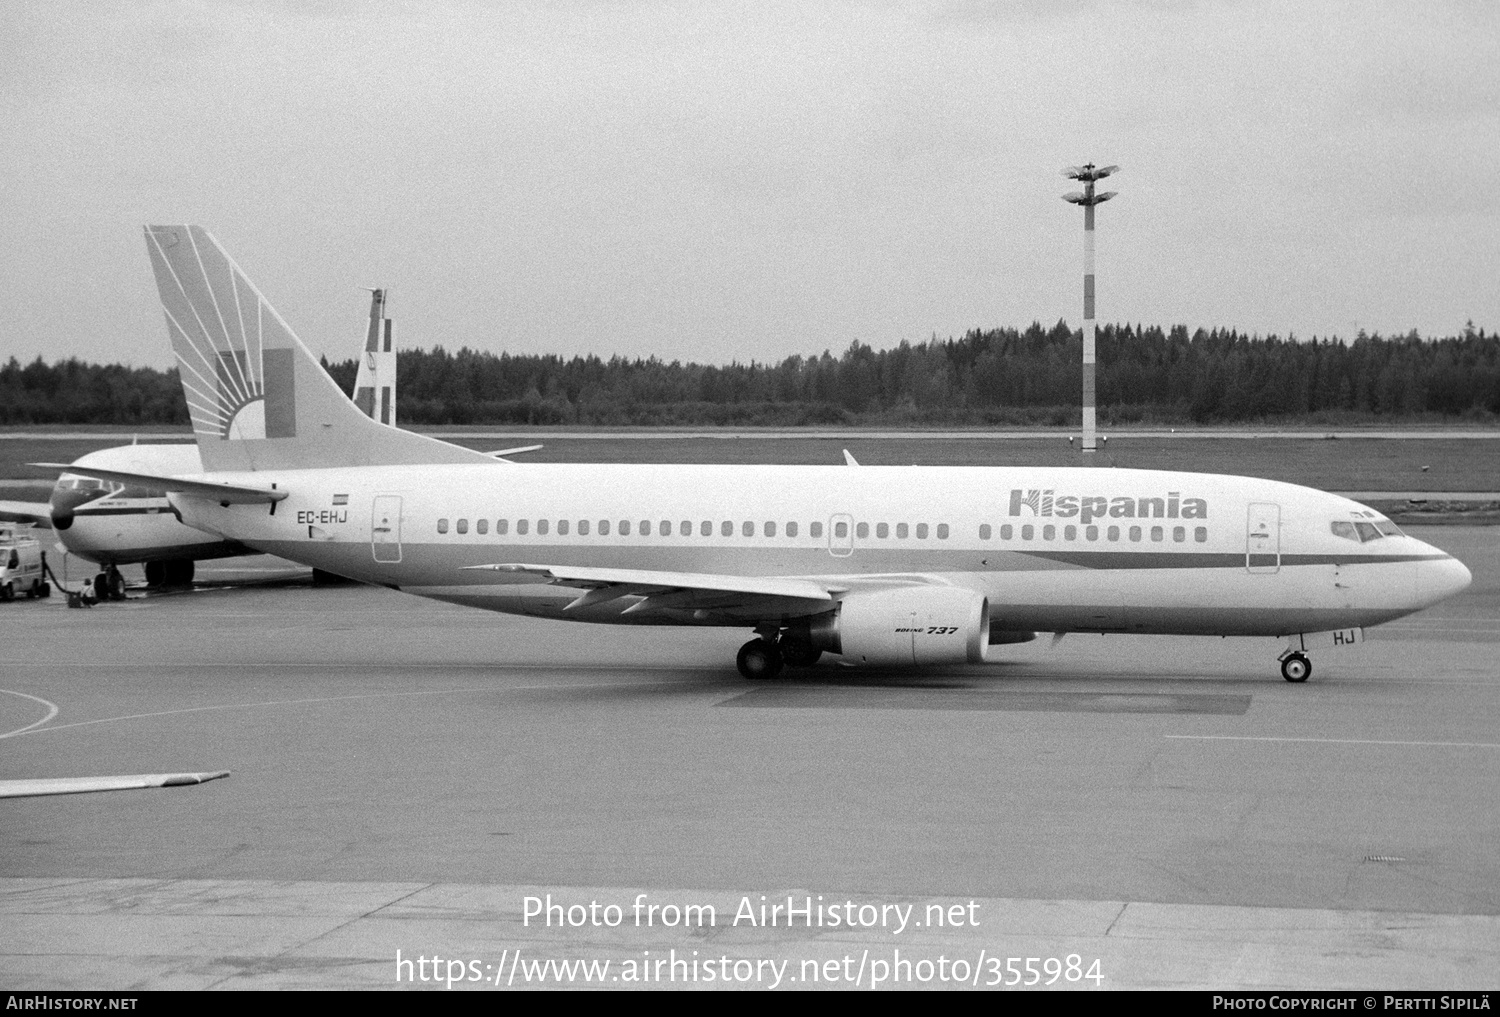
(22, 566)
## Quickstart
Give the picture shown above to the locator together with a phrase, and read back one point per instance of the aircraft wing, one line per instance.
(37, 513)
(212, 490)
(682, 591)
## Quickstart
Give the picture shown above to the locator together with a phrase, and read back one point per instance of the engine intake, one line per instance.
(911, 625)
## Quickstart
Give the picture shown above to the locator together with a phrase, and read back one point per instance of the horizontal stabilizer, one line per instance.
(35, 513)
(211, 489)
(653, 581)
(81, 785)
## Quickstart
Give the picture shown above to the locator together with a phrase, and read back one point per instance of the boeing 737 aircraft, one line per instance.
(881, 565)
(113, 524)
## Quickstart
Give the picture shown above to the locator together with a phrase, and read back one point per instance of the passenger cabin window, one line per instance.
(604, 527)
(502, 526)
(747, 529)
(1007, 531)
(791, 529)
(1049, 531)
(841, 530)
(1135, 533)
(522, 525)
(707, 528)
(984, 532)
(463, 526)
(562, 527)
(442, 526)
(921, 531)
(645, 529)
(816, 529)
(481, 526)
(624, 527)
(942, 531)
(1027, 531)
(862, 530)
(583, 527)
(664, 528)
(542, 527)
(770, 529)
(882, 530)
(1200, 534)
(902, 531)
(1091, 532)
(726, 529)
(1070, 533)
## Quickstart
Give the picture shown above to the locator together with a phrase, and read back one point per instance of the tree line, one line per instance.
(1002, 376)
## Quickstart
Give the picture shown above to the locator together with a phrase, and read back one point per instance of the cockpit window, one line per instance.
(1364, 532)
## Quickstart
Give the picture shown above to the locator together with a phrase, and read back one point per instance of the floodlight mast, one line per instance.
(1088, 173)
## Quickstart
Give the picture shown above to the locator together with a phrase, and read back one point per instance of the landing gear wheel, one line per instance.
(8, 592)
(156, 574)
(101, 586)
(178, 572)
(759, 660)
(799, 654)
(1296, 668)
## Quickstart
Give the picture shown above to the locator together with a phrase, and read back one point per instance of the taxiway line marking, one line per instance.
(35, 729)
(52, 711)
(1335, 741)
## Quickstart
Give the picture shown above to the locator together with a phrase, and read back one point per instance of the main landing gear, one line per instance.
(762, 658)
(1295, 667)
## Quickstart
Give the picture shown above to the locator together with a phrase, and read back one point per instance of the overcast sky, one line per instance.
(725, 181)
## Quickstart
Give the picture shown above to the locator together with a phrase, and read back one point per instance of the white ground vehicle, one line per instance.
(21, 566)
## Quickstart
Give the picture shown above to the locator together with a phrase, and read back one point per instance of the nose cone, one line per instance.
(1441, 578)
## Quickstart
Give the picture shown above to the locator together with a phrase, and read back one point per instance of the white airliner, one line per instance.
(881, 565)
(111, 523)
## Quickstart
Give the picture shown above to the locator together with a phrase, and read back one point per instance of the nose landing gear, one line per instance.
(1295, 667)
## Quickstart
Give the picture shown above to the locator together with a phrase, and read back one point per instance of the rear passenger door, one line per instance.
(385, 528)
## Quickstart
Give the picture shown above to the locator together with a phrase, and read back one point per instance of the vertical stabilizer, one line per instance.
(259, 399)
(375, 382)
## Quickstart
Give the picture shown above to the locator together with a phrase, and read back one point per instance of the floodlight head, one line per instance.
(1106, 171)
(1105, 196)
(1073, 172)
(1076, 197)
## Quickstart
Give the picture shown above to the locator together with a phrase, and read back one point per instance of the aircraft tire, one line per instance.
(178, 572)
(156, 573)
(1296, 668)
(44, 590)
(797, 654)
(759, 660)
(8, 592)
(114, 585)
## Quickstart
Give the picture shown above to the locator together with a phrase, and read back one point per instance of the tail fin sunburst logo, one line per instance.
(233, 350)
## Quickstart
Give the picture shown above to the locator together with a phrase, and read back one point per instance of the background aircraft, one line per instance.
(113, 523)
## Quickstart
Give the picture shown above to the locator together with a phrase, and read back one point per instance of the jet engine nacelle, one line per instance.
(911, 625)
